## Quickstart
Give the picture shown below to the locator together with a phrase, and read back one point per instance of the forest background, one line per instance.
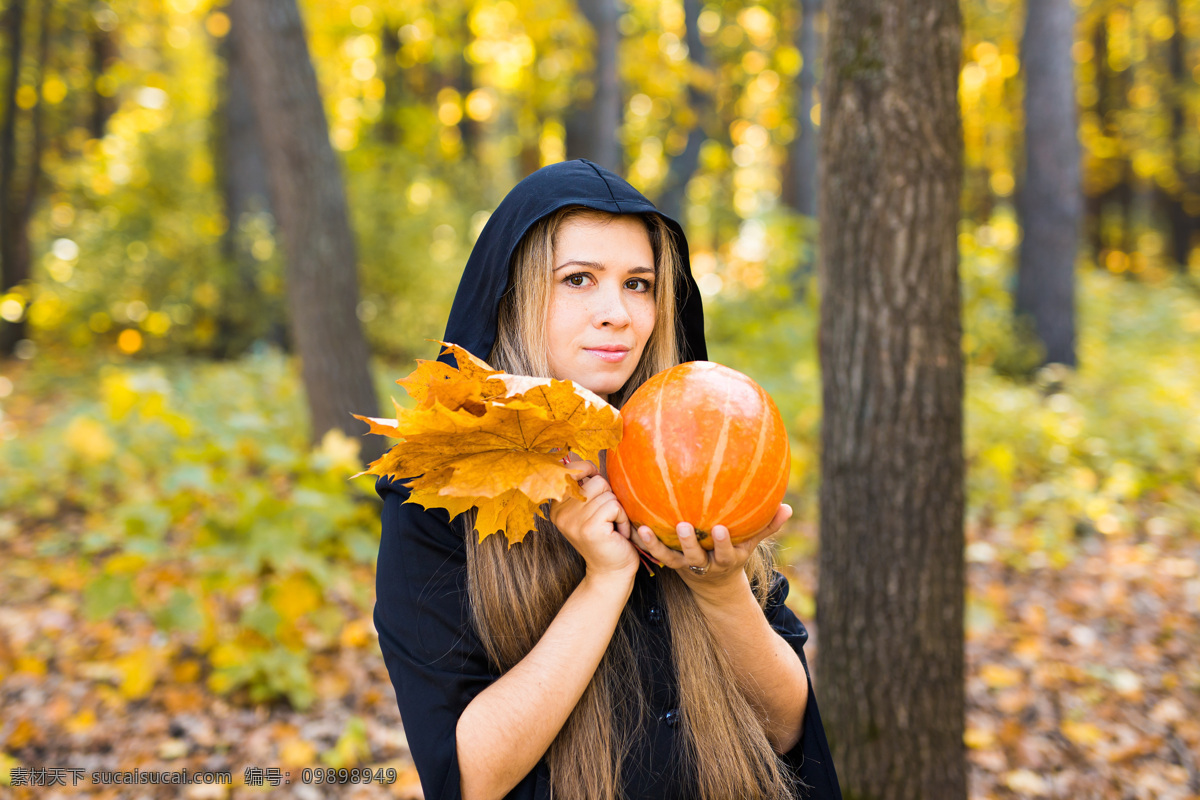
(188, 577)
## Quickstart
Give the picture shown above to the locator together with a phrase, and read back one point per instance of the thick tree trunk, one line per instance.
(242, 170)
(891, 592)
(311, 216)
(684, 165)
(802, 178)
(1051, 201)
(592, 129)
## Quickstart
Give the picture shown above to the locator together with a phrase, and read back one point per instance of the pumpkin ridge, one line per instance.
(659, 456)
(760, 448)
(710, 479)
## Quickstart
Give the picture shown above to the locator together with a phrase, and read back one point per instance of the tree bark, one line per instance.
(891, 592)
(1183, 224)
(592, 129)
(311, 215)
(802, 178)
(14, 29)
(242, 171)
(19, 177)
(700, 103)
(1051, 200)
(103, 52)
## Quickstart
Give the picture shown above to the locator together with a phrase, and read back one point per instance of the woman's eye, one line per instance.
(646, 285)
(571, 278)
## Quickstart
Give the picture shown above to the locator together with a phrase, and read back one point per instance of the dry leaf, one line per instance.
(482, 438)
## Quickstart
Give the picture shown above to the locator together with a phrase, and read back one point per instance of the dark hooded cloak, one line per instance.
(435, 659)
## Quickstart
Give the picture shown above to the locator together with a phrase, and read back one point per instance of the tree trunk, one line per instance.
(891, 591)
(242, 170)
(1095, 204)
(684, 165)
(311, 216)
(103, 51)
(1051, 201)
(592, 129)
(1182, 223)
(802, 178)
(392, 77)
(22, 177)
(14, 261)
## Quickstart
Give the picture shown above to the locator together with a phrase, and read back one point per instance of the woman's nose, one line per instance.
(610, 309)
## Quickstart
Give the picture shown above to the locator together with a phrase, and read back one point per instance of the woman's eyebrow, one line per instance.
(600, 267)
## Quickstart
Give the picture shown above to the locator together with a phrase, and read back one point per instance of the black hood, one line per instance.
(472, 322)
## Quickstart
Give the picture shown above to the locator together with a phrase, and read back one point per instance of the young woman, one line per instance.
(558, 667)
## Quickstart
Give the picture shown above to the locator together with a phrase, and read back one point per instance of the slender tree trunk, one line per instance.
(1051, 202)
(1182, 223)
(891, 593)
(683, 166)
(392, 77)
(464, 83)
(593, 128)
(13, 269)
(1095, 204)
(311, 216)
(802, 180)
(103, 51)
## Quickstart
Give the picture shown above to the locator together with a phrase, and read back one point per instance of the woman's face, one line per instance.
(601, 301)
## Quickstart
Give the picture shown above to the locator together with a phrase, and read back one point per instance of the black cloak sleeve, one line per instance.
(810, 759)
(434, 658)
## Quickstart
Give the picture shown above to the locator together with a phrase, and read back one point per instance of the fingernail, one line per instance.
(645, 534)
(683, 531)
(719, 534)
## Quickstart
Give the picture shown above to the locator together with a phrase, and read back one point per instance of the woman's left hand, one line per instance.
(716, 571)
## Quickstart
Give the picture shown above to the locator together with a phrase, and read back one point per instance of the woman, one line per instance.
(557, 667)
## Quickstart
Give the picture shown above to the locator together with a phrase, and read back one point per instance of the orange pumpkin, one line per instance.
(704, 444)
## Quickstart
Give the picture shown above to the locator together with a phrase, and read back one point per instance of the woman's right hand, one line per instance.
(597, 527)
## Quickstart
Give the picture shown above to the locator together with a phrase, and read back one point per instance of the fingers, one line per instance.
(694, 555)
(650, 544)
(724, 553)
(593, 486)
(582, 469)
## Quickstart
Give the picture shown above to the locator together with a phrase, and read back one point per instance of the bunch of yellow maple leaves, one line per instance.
(482, 438)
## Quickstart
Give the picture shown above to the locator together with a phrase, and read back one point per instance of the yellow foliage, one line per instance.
(88, 439)
(482, 438)
(296, 752)
(139, 670)
(979, 738)
(82, 722)
(295, 596)
(998, 676)
(1084, 734)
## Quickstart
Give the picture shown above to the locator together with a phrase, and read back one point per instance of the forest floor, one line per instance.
(1082, 682)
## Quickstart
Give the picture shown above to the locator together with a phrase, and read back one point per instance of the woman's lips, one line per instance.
(611, 356)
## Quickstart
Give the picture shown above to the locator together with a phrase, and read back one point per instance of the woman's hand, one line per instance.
(597, 527)
(720, 571)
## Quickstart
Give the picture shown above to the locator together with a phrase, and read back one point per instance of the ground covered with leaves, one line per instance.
(188, 584)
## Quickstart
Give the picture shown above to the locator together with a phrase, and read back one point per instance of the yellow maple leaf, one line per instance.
(493, 441)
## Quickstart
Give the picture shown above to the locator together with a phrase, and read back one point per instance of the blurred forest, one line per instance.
(187, 577)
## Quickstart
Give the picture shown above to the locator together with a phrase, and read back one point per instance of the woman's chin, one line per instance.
(603, 388)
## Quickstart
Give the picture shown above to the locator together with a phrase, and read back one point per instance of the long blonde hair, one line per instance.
(516, 592)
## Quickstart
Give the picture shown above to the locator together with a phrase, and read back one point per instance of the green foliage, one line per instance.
(188, 492)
